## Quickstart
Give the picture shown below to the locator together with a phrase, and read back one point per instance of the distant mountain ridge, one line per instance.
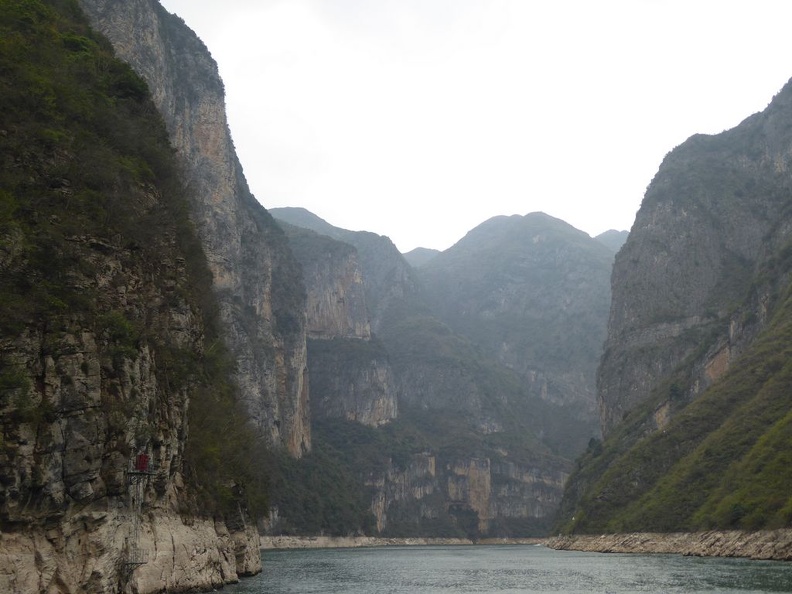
(516, 420)
(420, 256)
(534, 293)
(613, 239)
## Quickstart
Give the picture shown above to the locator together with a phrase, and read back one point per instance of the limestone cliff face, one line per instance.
(111, 358)
(350, 371)
(525, 490)
(86, 552)
(255, 277)
(486, 495)
(86, 397)
(339, 310)
(352, 379)
(336, 302)
(685, 283)
(387, 277)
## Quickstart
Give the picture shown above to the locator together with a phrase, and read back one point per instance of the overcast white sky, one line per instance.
(420, 119)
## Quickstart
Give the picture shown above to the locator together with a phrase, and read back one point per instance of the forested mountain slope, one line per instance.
(694, 382)
(111, 357)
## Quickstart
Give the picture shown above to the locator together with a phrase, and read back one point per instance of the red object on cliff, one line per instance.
(142, 463)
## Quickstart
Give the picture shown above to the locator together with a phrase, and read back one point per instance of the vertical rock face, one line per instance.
(469, 483)
(255, 277)
(336, 301)
(109, 333)
(351, 379)
(387, 278)
(82, 394)
(485, 495)
(86, 407)
(350, 372)
(714, 213)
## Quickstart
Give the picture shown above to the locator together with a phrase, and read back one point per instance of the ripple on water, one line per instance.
(506, 569)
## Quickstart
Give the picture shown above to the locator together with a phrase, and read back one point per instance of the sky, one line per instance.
(420, 119)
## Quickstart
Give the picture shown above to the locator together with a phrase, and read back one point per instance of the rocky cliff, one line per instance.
(387, 278)
(114, 380)
(691, 384)
(480, 442)
(352, 379)
(350, 371)
(715, 211)
(254, 274)
(473, 496)
(333, 276)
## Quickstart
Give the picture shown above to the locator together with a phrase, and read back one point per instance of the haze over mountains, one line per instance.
(178, 365)
(467, 351)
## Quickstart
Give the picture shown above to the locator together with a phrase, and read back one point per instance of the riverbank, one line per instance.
(344, 542)
(765, 544)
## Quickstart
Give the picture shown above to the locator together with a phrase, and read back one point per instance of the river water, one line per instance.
(505, 569)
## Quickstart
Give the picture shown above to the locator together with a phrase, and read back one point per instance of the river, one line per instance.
(505, 569)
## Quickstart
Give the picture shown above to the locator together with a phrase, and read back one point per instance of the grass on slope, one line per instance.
(721, 463)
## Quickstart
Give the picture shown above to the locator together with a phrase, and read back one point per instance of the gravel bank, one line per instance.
(343, 542)
(766, 544)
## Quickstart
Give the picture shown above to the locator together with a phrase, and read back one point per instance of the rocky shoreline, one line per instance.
(344, 542)
(89, 552)
(766, 544)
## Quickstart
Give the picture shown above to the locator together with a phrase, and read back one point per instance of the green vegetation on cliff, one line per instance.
(694, 384)
(723, 462)
(93, 227)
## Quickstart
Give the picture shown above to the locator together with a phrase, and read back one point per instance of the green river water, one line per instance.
(505, 569)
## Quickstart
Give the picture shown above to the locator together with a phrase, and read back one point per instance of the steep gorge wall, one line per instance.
(333, 277)
(109, 345)
(451, 397)
(388, 279)
(693, 381)
(687, 285)
(350, 372)
(85, 392)
(256, 279)
(352, 379)
(484, 495)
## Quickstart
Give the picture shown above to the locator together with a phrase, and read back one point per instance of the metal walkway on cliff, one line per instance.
(138, 473)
